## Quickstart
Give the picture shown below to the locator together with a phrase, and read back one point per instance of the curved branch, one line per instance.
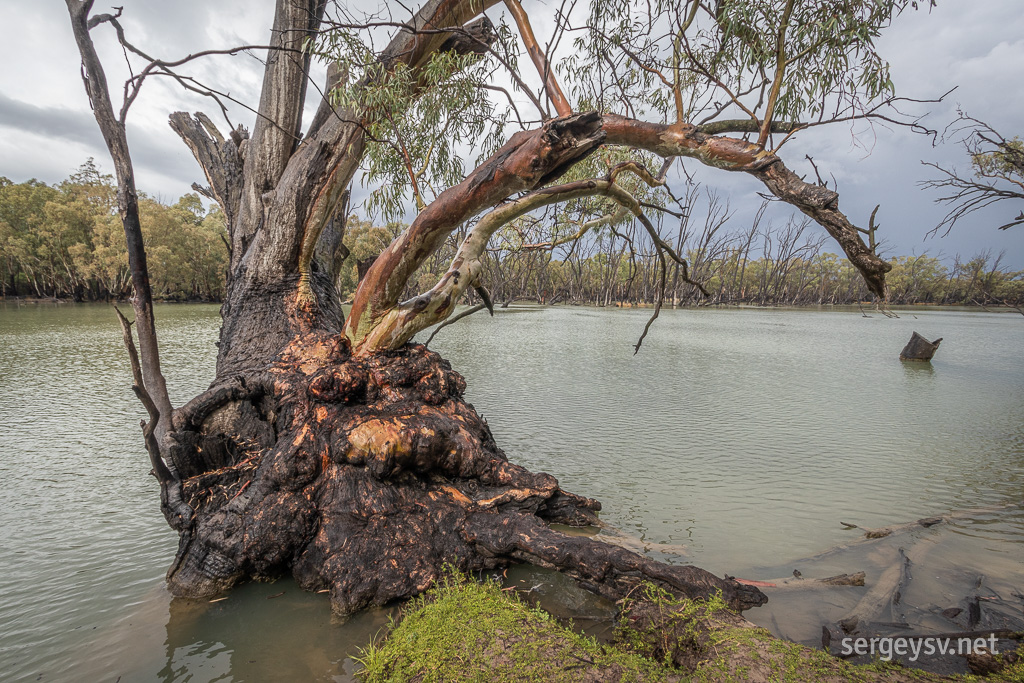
(820, 203)
(402, 322)
(451, 321)
(530, 159)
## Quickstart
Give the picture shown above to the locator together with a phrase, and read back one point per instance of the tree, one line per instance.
(67, 241)
(997, 173)
(331, 447)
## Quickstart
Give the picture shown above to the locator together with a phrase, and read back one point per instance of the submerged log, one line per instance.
(919, 348)
(855, 579)
(882, 601)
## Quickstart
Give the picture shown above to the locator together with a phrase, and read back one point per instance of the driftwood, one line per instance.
(617, 537)
(802, 583)
(919, 348)
(883, 599)
(881, 610)
(871, 534)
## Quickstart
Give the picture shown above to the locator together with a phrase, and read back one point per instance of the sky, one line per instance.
(977, 46)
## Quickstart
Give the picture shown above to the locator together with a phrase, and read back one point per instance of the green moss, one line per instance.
(658, 625)
(462, 630)
(468, 631)
(1014, 672)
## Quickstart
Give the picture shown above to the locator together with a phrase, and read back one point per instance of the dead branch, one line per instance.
(453, 320)
(115, 137)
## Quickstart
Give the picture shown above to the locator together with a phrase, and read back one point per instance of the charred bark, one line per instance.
(367, 476)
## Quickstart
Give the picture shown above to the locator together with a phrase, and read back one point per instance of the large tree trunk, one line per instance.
(366, 475)
(362, 470)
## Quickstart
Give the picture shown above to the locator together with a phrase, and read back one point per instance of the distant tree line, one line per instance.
(66, 241)
(762, 263)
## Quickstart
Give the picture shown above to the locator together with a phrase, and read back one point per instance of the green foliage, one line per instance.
(185, 248)
(420, 122)
(1006, 162)
(675, 623)
(364, 241)
(67, 241)
(723, 58)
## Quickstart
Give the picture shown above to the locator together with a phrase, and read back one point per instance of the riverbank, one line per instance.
(463, 630)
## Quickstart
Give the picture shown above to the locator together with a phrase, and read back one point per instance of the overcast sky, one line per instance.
(47, 130)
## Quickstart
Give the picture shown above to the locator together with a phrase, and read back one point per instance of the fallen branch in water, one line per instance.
(799, 583)
(455, 319)
(926, 522)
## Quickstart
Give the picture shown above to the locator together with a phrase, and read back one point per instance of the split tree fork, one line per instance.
(333, 448)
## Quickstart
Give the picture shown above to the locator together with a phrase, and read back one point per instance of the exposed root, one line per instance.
(365, 476)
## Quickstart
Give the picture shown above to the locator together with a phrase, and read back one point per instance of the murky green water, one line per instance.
(744, 435)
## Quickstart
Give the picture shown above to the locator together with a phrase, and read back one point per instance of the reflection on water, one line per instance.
(916, 370)
(743, 435)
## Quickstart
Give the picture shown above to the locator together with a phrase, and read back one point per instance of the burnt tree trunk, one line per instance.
(334, 449)
(366, 475)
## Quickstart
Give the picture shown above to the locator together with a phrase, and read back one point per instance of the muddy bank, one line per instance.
(937, 577)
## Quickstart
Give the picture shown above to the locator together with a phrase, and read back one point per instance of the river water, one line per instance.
(736, 440)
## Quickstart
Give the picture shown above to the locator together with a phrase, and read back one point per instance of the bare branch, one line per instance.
(551, 87)
(451, 321)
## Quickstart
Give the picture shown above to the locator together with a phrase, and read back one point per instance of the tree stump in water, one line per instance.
(919, 348)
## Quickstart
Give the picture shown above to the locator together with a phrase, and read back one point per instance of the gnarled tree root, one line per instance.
(367, 476)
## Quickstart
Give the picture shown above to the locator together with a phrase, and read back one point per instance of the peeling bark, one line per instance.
(529, 160)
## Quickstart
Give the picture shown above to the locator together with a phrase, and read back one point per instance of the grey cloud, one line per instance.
(155, 156)
(53, 122)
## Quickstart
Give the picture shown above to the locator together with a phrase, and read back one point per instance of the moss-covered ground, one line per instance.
(463, 630)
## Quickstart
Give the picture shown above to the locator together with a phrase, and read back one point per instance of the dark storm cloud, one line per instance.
(153, 155)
